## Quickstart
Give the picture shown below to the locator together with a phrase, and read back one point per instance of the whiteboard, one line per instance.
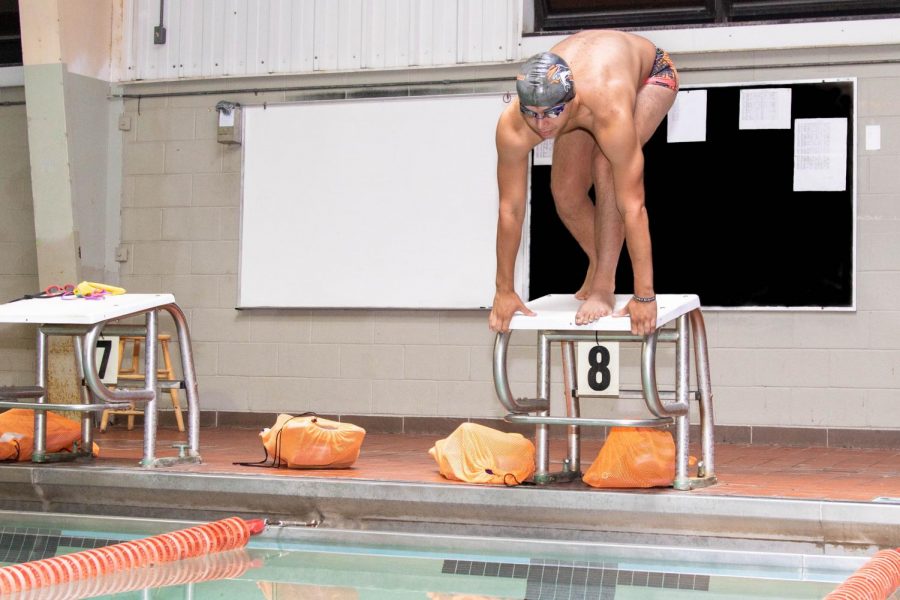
(370, 203)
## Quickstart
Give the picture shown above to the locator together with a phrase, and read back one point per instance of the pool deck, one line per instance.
(817, 500)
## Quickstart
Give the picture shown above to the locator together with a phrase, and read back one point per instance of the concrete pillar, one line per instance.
(66, 56)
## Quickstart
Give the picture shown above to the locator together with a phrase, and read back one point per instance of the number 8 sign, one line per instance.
(598, 369)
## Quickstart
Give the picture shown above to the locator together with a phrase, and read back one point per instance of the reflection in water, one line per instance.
(220, 565)
(441, 596)
(297, 591)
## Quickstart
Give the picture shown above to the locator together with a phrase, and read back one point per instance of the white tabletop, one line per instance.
(557, 311)
(71, 310)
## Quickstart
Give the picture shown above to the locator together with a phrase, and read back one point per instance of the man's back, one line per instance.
(602, 60)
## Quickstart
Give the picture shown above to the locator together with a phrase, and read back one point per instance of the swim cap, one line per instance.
(545, 80)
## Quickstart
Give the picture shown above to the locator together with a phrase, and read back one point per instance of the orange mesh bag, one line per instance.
(17, 434)
(311, 442)
(9, 446)
(478, 454)
(633, 457)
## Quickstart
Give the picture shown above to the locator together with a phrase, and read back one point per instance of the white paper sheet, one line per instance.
(226, 118)
(873, 137)
(768, 108)
(820, 155)
(687, 117)
(543, 153)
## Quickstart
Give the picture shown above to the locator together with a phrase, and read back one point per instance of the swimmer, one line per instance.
(600, 95)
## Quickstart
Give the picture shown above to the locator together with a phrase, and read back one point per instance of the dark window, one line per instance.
(10, 34)
(575, 15)
(752, 10)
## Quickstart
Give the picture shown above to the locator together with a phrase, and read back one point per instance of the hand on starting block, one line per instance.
(505, 305)
(642, 312)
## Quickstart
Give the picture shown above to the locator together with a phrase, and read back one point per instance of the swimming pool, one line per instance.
(293, 561)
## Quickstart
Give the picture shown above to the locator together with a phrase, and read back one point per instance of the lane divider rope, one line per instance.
(200, 540)
(875, 580)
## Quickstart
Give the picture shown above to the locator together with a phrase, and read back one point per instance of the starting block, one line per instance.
(555, 322)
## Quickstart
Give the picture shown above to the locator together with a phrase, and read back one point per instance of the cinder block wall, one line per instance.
(823, 372)
(18, 256)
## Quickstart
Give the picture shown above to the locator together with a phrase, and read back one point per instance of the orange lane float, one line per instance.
(218, 536)
(875, 580)
(212, 567)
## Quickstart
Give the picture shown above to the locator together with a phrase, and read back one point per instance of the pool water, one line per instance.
(290, 562)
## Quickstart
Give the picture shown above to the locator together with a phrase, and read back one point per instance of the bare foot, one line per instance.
(597, 305)
(585, 290)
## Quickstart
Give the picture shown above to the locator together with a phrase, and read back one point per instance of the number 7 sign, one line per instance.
(107, 359)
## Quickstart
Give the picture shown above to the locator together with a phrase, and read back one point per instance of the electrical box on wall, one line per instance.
(229, 129)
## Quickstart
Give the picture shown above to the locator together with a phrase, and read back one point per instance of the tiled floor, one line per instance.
(755, 471)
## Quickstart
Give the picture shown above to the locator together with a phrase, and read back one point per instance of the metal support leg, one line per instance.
(542, 430)
(190, 379)
(150, 377)
(707, 434)
(573, 407)
(682, 396)
(87, 425)
(40, 417)
(516, 406)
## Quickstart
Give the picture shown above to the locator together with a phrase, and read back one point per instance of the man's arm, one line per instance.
(619, 141)
(512, 174)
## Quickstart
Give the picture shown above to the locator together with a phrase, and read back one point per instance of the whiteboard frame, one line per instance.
(243, 303)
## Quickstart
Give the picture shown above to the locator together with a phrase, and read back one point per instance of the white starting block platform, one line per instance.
(555, 322)
(557, 311)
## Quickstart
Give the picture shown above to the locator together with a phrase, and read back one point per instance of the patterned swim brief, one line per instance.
(663, 72)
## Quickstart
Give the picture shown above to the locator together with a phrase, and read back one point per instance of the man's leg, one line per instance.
(609, 235)
(650, 107)
(570, 182)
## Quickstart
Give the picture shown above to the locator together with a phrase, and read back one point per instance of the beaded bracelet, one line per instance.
(640, 299)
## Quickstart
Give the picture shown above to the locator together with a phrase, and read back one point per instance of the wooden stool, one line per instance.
(133, 372)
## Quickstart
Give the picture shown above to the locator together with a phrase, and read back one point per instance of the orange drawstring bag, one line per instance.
(17, 434)
(633, 457)
(478, 454)
(311, 442)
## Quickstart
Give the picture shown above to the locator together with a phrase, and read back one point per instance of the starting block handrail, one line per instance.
(13, 391)
(648, 380)
(72, 407)
(501, 383)
(650, 390)
(590, 422)
(92, 377)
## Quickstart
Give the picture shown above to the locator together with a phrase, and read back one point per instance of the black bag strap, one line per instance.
(276, 459)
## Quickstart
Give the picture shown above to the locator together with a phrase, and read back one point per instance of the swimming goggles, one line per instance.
(551, 113)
